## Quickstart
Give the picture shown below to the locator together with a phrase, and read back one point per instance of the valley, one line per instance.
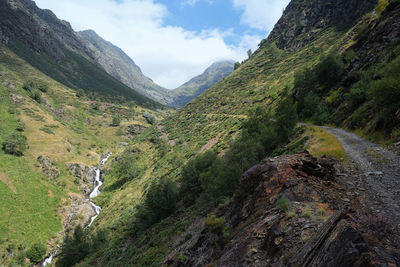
(288, 158)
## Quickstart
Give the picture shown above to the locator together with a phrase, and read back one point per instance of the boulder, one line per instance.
(85, 174)
(48, 168)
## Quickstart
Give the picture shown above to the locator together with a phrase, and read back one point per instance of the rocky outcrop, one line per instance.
(84, 174)
(303, 20)
(374, 37)
(38, 29)
(317, 227)
(48, 168)
(134, 129)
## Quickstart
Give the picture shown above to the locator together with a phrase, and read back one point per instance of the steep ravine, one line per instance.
(97, 183)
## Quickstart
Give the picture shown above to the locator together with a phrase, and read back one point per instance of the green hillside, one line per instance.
(62, 126)
(214, 120)
(184, 186)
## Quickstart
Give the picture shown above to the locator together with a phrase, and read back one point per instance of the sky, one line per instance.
(174, 40)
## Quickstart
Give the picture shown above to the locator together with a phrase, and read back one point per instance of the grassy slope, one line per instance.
(77, 72)
(210, 121)
(29, 202)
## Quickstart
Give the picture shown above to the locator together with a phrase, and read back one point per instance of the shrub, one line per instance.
(149, 118)
(21, 126)
(15, 144)
(213, 223)
(35, 95)
(283, 204)
(116, 120)
(46, 130)
(125, 169)
(36, 253)
(32, 85)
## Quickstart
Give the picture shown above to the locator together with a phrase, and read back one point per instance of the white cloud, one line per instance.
(194, 2)
(261, 14)
(169, 55)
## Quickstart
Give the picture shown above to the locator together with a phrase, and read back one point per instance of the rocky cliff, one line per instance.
(53, 47)
(303, 20)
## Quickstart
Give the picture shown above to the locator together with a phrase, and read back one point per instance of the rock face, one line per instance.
(39, 29)
(48, 168)
(318, 228)
(199, 84)
(303, 20)
(119, 65)
(53, 47)
(85, 174)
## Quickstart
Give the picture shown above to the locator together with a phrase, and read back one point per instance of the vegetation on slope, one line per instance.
(66, 127)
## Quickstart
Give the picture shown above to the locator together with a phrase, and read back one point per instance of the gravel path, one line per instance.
(379, 172)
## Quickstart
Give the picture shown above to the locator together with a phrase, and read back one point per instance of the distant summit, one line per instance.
(199, 84)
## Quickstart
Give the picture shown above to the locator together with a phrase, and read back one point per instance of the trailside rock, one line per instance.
(48, 168)
(317, 228)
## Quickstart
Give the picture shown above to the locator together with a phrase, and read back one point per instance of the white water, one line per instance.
(48, 260)
(96, 184)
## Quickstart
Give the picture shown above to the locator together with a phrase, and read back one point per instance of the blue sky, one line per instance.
(174, 40)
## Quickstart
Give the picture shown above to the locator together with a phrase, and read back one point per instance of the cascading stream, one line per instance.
(96, 185)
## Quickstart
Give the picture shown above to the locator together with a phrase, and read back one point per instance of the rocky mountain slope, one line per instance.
(199, 84)
(224, 181)
(52, 46)
(119, 65)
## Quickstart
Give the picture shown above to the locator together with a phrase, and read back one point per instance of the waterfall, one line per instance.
(97, 183)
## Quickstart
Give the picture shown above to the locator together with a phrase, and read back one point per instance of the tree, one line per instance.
(249, 53)
(15, 144)
(36, 253)
(159, 203)
(190, 182)
(236, 66)
(75, 248)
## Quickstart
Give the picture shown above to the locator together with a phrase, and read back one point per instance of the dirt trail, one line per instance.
(379, 173)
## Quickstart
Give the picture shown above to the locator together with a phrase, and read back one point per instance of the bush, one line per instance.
(159, 203)
(21, 126)
(35, 95)
(32, 85)
(125, 169)
(15, 144)
(36, 253)
(283, 204)
(149, 118)
(116, 120)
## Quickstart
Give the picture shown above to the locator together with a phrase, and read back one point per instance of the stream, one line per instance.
(96, 185)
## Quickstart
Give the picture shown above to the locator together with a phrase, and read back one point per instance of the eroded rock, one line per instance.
(48, 168)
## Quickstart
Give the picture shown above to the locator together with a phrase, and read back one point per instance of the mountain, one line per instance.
(119, 65)
(225, 180)
(199, 84)
(241, 200)
(52, 46)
